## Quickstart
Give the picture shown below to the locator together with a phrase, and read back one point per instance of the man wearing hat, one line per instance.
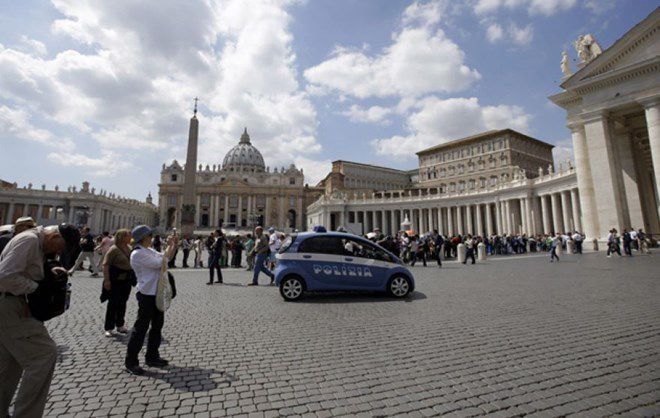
(26, 349)
(22, 224)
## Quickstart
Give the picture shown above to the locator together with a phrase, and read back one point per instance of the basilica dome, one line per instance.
(244, 156)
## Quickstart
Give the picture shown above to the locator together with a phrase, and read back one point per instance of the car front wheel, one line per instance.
(398, 286)
(292, 288)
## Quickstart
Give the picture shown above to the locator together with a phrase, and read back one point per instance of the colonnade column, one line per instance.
(566, 214)
(240, 211)
(489, 220)
(470, 226)
(589, 219)
(459, 220)
(480, 226)
(523, 215)
(577, 224)
(393, 224)
(498, 218)
(440, 226)
(450, 221)
(545, 214)
(556, 219)
(430, 219)
(652, 112)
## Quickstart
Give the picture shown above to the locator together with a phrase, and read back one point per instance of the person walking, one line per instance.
(116, 281)
(261, 250)
(215, 255)
(469, 249)
(103, 248)
(554, 242)
(86, 252)
(613, 243)
(147, 264)
(27, 352)
(439, 242)
(186, 245)
(236, 252)
(249, 255)
(627, 242)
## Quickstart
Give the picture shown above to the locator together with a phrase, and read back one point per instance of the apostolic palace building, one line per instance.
(504, 182)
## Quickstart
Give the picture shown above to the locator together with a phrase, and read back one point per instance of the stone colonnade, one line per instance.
(544, 213)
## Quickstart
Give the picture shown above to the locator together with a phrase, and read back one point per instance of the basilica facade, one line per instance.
(240, 193)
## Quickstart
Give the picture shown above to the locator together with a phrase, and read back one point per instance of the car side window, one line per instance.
(322, 245)
(365, 250)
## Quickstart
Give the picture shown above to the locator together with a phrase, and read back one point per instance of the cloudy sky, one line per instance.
(102, 90)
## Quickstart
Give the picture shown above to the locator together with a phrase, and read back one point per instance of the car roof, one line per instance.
(305, 235)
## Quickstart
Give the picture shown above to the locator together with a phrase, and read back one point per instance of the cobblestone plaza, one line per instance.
(506, 337)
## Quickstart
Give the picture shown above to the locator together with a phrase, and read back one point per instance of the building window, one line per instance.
(292, 181)
(174, 177)
(473, 184)
(171, 200)
(493, 181)
(292, 201)
(205, 200)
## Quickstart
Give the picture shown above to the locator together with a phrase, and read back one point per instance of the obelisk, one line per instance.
(188, 206)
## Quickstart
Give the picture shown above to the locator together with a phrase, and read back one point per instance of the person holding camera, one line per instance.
(147, 264)
(27, 351)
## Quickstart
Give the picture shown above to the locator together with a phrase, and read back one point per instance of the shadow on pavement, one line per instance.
(356, 297)
(191, 379)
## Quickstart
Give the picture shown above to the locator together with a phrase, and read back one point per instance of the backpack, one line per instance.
(53, 296)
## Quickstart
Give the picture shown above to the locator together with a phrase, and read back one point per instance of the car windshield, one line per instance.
(290, 239)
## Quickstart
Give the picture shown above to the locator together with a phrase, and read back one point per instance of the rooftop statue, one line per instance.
(587, 48)
(565, 64)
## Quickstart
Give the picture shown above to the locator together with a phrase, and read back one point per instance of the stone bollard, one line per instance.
(481, 251)
(558, 249)
(460, 252)
(594, 242)
(570, 246)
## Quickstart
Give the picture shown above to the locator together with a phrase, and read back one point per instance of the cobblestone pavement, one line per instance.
(504, 338)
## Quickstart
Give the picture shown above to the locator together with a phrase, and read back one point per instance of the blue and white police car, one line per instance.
(312, 261)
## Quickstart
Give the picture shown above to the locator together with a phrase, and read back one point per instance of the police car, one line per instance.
(312, 261)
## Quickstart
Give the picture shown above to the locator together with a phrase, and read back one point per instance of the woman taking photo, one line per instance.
(116, 281)
(147, 264)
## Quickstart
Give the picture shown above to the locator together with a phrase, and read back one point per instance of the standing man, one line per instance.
(86, 252)
(216, 243)
(274, 243)
(186, 244)
(577, 238)
(627, 241)
(261, 250)
(26, 349)
(249, 254)
(555, 241)
(469, 249)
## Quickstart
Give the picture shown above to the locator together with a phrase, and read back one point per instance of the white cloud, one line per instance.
(373, 114)
(534, 7)
(32, 46)
(521, 36)
(314, 170)
(106, 165)
(129, 78)
(16, 123)
(435, 121)
(494, 33)
(563, 152)
(420, 60)
(423, 14)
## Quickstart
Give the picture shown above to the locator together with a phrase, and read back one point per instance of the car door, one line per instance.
(367, 264)
(321, 257)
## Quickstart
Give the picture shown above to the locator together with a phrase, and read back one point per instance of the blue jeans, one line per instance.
(260, 266)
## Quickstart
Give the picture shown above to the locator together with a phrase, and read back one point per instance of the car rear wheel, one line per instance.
(292, 288)
(398, 286)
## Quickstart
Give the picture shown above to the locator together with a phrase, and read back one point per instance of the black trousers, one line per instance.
(186, 253)
(214, 265)
(469, 253)
(116, 309)
(438, 256)
(148, 314)
(170, 263)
